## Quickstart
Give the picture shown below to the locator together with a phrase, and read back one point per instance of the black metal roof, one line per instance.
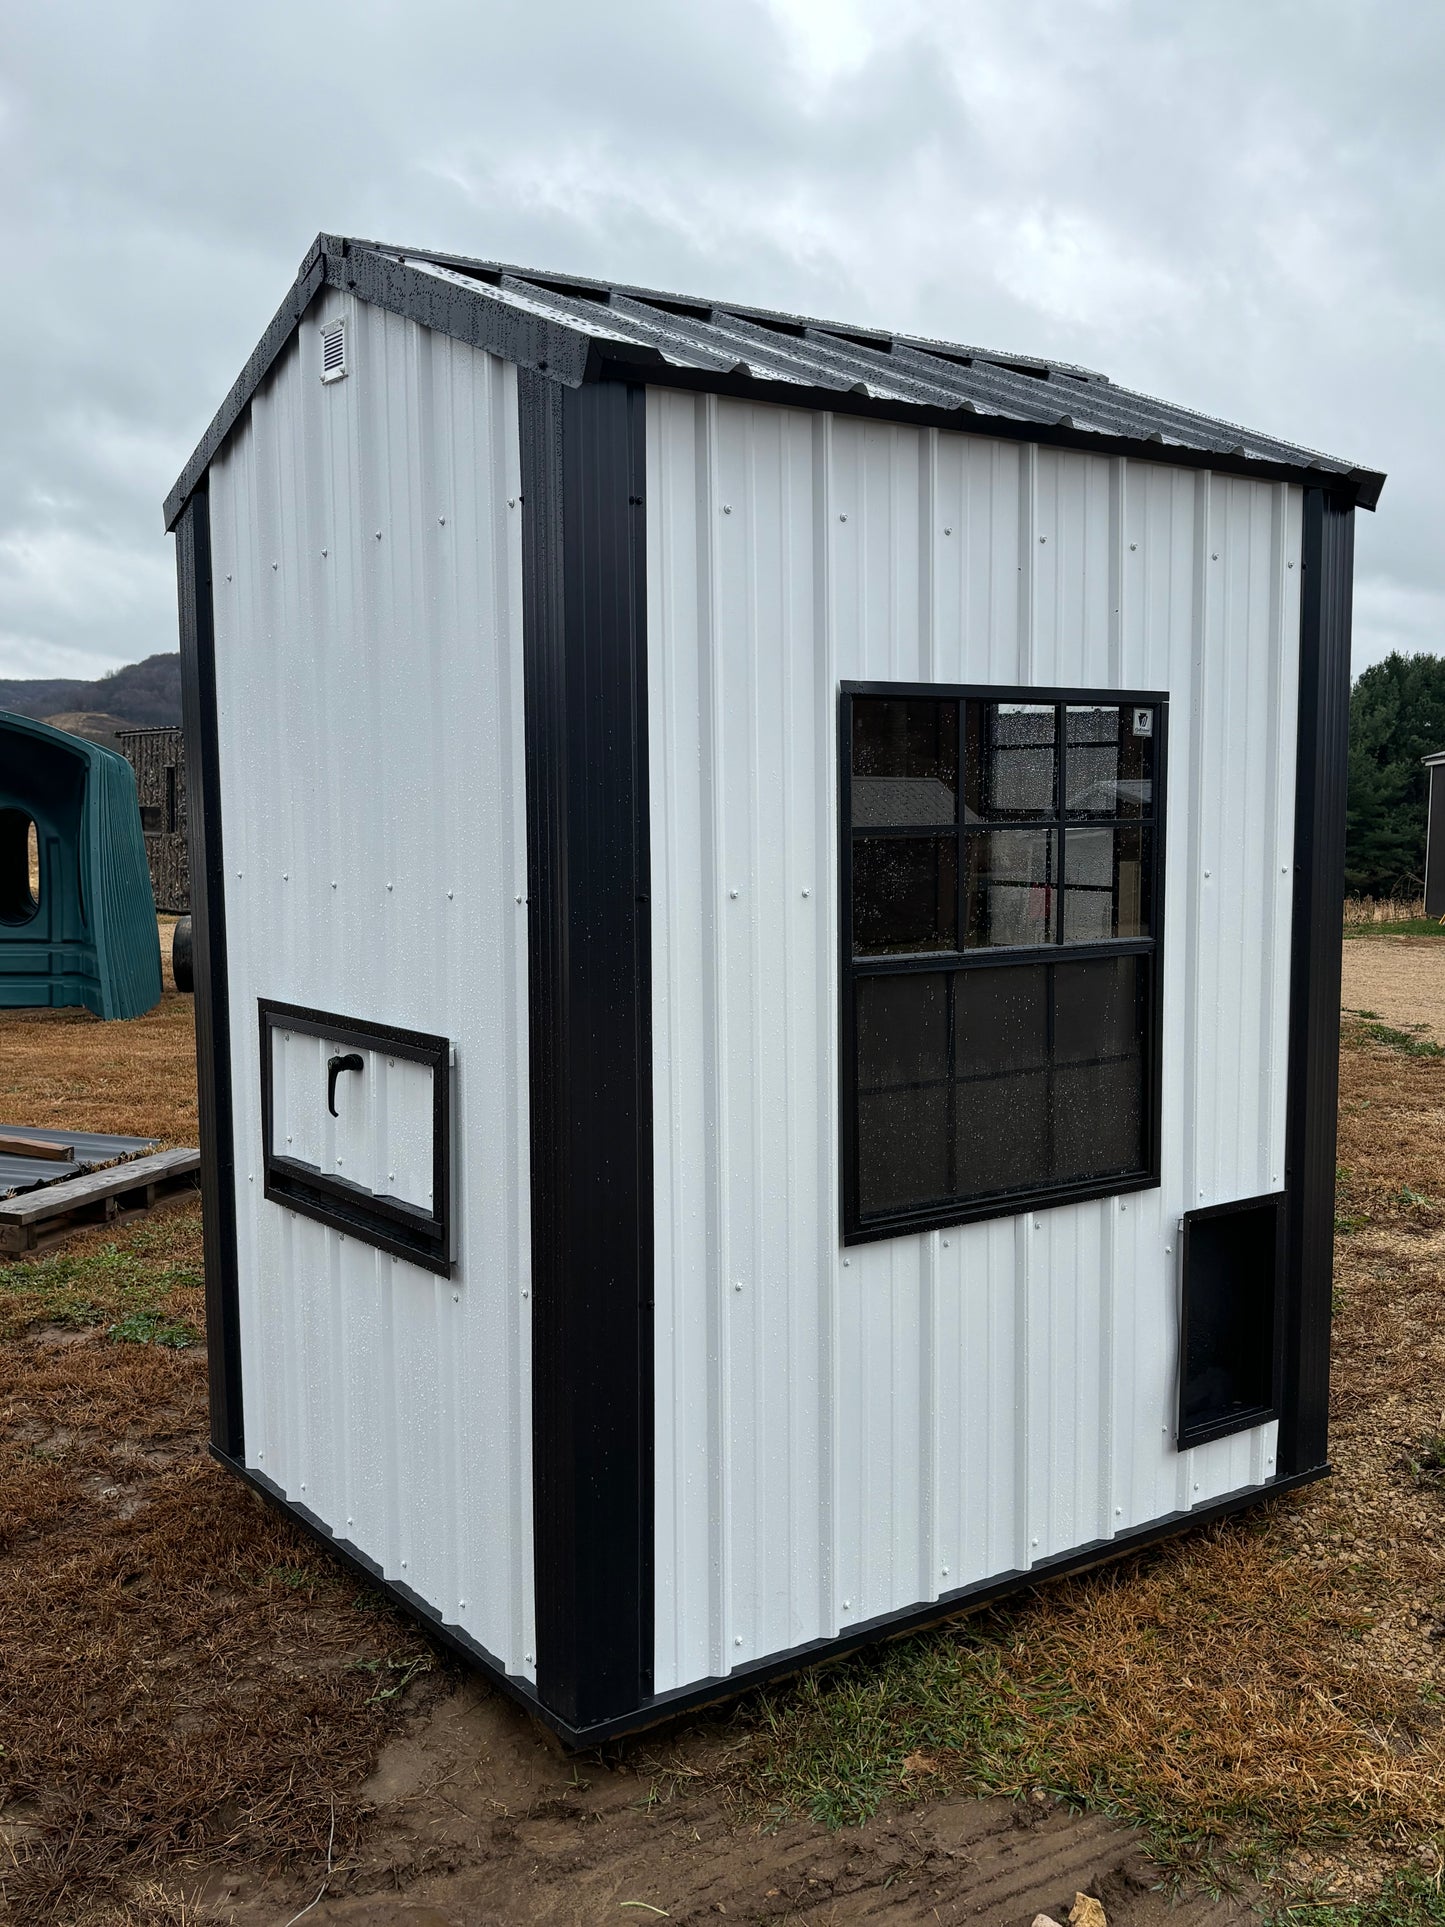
(580, 330)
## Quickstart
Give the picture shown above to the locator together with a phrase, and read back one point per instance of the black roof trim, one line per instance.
(576, 329)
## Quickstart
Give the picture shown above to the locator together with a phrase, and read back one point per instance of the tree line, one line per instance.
(1397, 716)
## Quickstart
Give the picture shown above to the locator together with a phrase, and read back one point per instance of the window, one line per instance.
(1002, 892)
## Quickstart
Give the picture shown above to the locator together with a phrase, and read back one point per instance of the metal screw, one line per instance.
(944, 1571)
(449, 895)
(846, 1263)
(1213, 558)
(519, 899)
(443, 520)
(275, 565)
(228, 577)
(286, 877)
(727, 508)
(739, 1285)
(737, 1639)
(805, 893)
(732, 893)
(333, 883)
(842, 518)
(511, 501)
(945, 1244)
(378, 535)
(324, 554)
(1132, 547)
(948, 531)
(389, 886)
(847, 1604)
(1042, 538)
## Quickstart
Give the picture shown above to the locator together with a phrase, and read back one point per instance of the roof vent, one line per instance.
(333, 350)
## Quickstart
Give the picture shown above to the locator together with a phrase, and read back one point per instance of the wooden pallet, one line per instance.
(38, 1219)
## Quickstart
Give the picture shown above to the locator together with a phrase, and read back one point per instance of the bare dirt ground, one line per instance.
(1401, 979)
(202, 1720)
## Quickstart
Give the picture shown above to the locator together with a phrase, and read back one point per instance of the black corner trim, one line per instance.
(420, 1234)
(1322, 758)
(212, 997)
(654, 1710)
(589, 954)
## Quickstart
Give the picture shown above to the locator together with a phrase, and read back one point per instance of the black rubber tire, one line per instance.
(182, 967)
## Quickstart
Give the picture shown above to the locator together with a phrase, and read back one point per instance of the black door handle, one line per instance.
(334, 1067)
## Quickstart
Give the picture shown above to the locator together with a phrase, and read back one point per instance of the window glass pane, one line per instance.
(902, 1029)
(1012, 887)
(905, 894)
(903, 1149)
(1003, 1133)
(1107, 879)
(1099, 1008)
(1010, 761)
(905, 762)
(1001, 1049)
(1110, 762)
(1098, 1120)
(1001, 1020)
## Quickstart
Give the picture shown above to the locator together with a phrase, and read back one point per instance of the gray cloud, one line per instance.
(1236, 206)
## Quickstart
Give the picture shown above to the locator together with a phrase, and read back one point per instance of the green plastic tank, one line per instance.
(77, 917)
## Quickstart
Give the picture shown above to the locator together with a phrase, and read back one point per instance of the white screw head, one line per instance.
(450, 895)
(842, 518)
(732, 893)
(511, 501)
(1132, 547)
(944, 1571)
(1042, 538)
(443, 520)
(378, 535)
(727, 508)
(390, 886)
(948, 531)
(737, 1639)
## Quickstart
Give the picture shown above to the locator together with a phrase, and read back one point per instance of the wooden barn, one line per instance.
(158, 757)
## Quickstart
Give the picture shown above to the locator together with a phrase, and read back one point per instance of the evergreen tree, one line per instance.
(1397, 716)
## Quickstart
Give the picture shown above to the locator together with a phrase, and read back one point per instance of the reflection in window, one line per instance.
(1016, 843)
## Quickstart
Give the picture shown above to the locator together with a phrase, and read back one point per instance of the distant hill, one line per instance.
(143, 693)
(94, 725)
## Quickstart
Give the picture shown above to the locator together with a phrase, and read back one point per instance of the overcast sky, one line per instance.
(1238, 205)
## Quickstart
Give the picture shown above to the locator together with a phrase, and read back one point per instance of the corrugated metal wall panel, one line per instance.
(368, 642)
(845, 1433)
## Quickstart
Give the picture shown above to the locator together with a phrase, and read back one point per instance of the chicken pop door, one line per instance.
(356, 1128)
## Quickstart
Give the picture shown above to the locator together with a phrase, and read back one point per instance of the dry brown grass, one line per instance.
(1369, 910)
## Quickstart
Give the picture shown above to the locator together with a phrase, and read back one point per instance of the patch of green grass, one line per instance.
(1410, 1042)
(1406, 927)
(152, 1328)
(1413, 1899)
(121, 1284)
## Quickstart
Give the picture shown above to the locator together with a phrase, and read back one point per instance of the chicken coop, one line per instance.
(767, 925)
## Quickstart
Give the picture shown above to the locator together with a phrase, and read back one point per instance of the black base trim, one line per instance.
(763, 1672)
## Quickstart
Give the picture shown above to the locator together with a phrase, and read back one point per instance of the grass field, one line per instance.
(191, 1697)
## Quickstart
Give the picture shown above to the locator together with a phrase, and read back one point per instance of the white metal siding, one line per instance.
(369, 693)
(842, 1434)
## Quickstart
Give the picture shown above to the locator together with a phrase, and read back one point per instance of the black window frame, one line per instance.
(421, 1234)
(899, 1222)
